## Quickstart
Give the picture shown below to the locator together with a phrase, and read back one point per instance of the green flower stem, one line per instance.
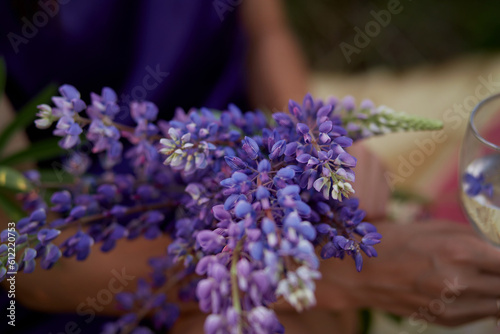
(143, 312)
(134, 209)
(235, 292)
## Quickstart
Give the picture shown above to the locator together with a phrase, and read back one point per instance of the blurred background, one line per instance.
(424, 31)
(418, 56)
(431, 58)
(421, 57)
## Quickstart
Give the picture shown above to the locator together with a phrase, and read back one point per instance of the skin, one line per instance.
(414, 271)
(414, 260)
(277, 70)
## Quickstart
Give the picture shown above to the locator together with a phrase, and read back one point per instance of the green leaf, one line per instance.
(13, 180)
(38, 151)
(11, 208)
(55, 175)
(26, 115)
(402, 195)
(366, 320)
(396, 318)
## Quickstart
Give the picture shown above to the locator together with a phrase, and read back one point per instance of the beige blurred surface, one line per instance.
(431, 91)
(435, 91)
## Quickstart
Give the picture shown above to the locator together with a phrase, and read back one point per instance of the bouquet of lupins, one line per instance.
(250, 202)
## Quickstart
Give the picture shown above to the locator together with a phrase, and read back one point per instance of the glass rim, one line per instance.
(473, 125)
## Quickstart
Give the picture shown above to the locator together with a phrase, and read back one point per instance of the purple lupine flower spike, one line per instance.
(244, 200)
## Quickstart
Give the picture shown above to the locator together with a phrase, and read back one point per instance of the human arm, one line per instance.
(90, 276)
(276, 71)
(420, 267)
(70, 283)
(417, 267)
(416, 264)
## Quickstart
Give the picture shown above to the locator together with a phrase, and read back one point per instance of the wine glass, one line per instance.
(479, 169)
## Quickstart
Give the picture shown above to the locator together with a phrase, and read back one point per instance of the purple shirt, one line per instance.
(174, 53)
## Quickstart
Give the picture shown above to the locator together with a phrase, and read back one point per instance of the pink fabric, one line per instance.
(447, 203)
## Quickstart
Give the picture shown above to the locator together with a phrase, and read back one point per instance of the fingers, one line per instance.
(455, 301)
(457, 284)
(450, 308)
(460, 245)
(485, 256)
(465, 310)
(435, 267)
(485, 285)
(407, 303)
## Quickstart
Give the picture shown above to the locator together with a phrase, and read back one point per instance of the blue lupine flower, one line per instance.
(143, 110)
(232, 189)
(103, 105)
(50, 256)
(251, 147)
(70, 131)
(46, 235)
(210, 241)
(475, 185)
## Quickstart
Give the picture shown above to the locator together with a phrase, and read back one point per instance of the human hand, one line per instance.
(435, 272)
(86, 286)
(371, 188)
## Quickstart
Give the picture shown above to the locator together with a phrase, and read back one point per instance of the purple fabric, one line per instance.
(129, 46)
(114, 43)
(32, 322)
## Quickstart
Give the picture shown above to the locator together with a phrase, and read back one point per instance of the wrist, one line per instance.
(338, 288)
